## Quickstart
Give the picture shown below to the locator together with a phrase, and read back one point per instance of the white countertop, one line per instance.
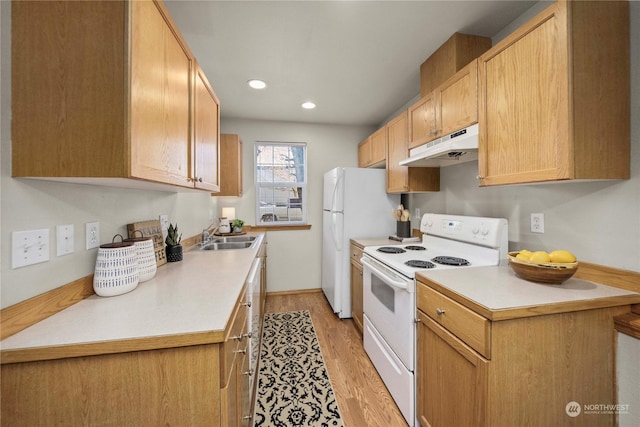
(499, 289)
(195, 295)
(376, 241)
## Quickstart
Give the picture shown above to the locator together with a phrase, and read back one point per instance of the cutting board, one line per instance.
(151, 228)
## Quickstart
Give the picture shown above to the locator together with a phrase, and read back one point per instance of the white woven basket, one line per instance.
(146, 254)
(116, 269)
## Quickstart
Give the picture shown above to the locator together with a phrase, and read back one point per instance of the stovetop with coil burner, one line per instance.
(448, 242)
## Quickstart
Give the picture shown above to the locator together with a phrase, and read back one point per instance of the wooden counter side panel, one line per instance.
(544, 362)
(164, 387)
(610, 276)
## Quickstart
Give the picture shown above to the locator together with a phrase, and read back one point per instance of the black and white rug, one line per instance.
(293, 385)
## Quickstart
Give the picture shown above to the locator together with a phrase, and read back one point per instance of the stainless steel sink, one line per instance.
(228, 242)
(216, 246)
(233, 239)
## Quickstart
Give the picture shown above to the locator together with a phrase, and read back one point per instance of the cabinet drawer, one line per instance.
(356, 253)
(467, 325)
(235, 341)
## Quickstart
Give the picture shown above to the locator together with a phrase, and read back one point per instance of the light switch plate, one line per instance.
(64, 239)
(164, 222)
(29, 247)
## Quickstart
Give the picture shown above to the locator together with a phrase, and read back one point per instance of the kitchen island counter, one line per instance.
(498, 294)
(186, 303)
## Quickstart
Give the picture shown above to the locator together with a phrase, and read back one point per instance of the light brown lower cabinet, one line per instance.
(515, 372)
(176, 386)
(195, 385)
(357, 310)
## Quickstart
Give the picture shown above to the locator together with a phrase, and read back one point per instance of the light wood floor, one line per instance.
(363, 399)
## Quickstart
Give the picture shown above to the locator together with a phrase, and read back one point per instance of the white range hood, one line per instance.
(453, 149)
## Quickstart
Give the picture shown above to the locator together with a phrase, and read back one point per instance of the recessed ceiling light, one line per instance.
(257, 84)
(309, 105)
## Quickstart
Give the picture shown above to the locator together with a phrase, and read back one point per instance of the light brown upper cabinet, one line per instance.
(109, 90)
(372, 151)
(554, 100)
(451, 57)
(206, 134)
(403, 179)
(450, 107)
(230, 165)
(422, 121)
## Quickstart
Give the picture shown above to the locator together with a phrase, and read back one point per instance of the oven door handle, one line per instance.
(399, 284)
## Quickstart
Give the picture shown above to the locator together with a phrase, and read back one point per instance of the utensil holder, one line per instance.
(116, 270)
(403, 228)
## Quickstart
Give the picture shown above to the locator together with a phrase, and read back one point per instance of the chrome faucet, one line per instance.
(206, 235)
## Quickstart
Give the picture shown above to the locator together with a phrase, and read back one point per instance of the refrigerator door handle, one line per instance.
(336, 241)
(335, 190)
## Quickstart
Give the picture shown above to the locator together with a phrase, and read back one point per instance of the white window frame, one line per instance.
(259, 208)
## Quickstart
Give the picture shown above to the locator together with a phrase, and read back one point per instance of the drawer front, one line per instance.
(236, 340)
(356, 253)
(470, 327)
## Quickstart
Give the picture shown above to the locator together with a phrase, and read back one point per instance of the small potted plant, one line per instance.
(174, 248)
(237, 224)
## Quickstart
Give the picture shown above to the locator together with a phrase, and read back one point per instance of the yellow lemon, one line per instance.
(524, 254)
(562, 256)
(540, 256)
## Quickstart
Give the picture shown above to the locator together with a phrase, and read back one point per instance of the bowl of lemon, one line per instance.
(543, 267)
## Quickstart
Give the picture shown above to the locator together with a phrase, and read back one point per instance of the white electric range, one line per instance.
(448, 242)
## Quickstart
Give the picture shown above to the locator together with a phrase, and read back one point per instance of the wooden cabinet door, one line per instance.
(422, 121)
(364, 153)
(160, 98)
(229, 404)
(452, 379)
(397, 150)
(524, 107)
(403, 179)
(457, 100)
(245, 416)
(206, 134)
(357, 310)
(378, 141)
(230, 166)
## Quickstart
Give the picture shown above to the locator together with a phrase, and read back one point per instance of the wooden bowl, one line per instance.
(552, 273)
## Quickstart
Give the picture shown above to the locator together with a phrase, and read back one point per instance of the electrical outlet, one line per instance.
(164, 222)
(29, 247)
(537, 223)
(92, 235)
(64, 239)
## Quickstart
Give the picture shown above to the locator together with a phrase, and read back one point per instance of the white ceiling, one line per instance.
(359, 61)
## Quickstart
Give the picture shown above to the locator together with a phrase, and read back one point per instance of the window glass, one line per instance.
(281, 180)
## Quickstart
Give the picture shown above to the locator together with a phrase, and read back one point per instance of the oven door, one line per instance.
(389, 303)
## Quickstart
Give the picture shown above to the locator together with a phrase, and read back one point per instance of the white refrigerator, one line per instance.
(355, 205)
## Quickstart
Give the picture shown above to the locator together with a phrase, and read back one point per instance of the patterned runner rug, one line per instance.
(293, 385)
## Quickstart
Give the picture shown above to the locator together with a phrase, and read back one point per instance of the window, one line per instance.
(281, 182)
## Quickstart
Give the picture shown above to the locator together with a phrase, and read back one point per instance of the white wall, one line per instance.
(598, 221)
(31, 204)
(294, 256)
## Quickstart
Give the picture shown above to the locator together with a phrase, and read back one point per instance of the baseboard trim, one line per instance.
(295, 292)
